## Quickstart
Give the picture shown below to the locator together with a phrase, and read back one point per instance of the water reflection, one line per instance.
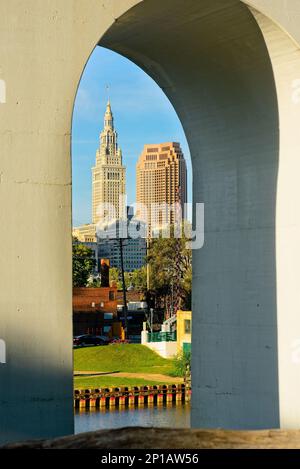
(175, 416)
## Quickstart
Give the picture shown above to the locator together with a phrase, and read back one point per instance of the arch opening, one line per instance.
(135, 101)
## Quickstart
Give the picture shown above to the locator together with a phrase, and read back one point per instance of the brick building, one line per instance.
(94, 310)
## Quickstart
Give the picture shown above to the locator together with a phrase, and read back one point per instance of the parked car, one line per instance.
(104, 338)
(89, 340)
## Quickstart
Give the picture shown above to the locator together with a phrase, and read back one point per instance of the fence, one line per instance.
(162, 337)
(131, 396)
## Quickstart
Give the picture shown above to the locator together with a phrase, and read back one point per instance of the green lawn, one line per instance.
(89, 382)
(132, 358)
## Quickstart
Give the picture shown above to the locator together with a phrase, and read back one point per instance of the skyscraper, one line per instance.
(134, 249)
(108, 180)
(161, 179)
(108, 174)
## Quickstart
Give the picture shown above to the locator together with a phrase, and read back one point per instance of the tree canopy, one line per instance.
(136, 279)
(170, 272)
(83, 264)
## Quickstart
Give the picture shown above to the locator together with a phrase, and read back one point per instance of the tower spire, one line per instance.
(108, 117)
(108, 172)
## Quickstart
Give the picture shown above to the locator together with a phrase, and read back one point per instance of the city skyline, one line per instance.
(161, 182)
(133, 95)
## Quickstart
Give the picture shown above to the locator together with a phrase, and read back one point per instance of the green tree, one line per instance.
(137, 279)
(83, 264)
(181, 364)
(115, 277)
(94, 283)
(170, 271)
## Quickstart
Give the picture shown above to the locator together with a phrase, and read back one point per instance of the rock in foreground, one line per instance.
(165, 438)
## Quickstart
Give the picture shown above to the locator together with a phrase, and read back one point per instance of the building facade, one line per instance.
(94, 310)
(134, 253)
(161, 181)
(85, 233)
(134, 244)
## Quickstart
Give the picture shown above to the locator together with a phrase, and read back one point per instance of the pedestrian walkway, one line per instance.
(150, 376)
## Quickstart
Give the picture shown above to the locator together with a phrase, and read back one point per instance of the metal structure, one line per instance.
(105, 398)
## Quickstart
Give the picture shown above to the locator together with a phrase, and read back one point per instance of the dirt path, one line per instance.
(147, 376)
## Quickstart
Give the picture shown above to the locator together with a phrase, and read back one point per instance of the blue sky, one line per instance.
(142, 115)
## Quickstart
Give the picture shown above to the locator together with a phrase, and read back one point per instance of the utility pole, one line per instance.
(178, 222)
(151, 320)
(124, 289)
(148, 263)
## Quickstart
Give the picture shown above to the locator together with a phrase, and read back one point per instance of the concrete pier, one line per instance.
(232, 72)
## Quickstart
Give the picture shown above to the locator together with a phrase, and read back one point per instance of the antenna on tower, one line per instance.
(107, 92)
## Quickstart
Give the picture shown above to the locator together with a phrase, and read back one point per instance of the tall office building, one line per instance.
(108, 174)
(134, 249)
(161, 179)
(108, 181)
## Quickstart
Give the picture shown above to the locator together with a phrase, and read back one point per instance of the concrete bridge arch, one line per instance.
(232, 73)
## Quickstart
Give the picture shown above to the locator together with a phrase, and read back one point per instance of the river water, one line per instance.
(175, 416)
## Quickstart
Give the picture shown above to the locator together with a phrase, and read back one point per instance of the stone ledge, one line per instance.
(164, 438)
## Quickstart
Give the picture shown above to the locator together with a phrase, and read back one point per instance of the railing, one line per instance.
(105, 398)
(172, 320)
(162, 337)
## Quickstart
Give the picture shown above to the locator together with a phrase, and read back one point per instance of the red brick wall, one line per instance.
(84, 297)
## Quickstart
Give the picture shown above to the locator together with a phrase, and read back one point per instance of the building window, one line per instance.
(187, 326)
(111, 296)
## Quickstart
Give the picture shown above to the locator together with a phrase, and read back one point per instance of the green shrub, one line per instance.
(181, 362)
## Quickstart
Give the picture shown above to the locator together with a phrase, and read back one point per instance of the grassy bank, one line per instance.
(132, 358)
(81, 382)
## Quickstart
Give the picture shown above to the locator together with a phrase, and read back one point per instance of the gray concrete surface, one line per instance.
(231, 75)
